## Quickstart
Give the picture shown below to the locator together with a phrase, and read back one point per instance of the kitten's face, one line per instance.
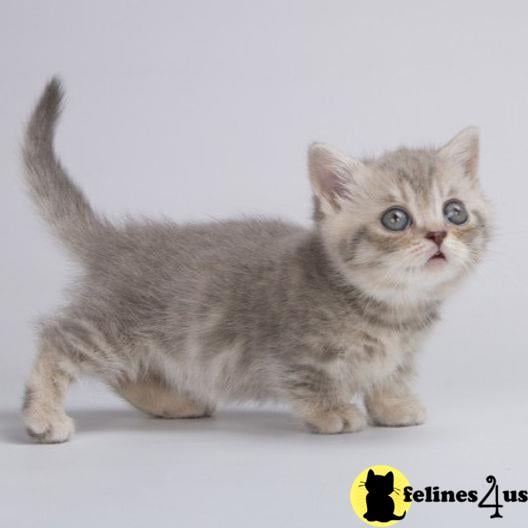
(406, 226)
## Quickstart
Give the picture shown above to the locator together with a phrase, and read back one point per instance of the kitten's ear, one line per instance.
(370, 474)
(463, 150)
(390, 477)
(332, 175)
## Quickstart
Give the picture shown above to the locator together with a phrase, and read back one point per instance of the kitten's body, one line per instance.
(177, 318)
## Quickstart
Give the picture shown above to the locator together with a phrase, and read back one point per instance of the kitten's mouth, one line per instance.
(438, 256)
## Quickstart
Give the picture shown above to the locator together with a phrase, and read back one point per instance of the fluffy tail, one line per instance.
(57, 197)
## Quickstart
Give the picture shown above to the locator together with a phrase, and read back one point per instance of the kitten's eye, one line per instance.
(396, 219)
(455, 212)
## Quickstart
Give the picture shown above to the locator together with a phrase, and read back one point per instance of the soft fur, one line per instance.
(177, 318)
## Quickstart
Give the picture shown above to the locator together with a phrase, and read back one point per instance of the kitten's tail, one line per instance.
(57, 197)
(398, 517)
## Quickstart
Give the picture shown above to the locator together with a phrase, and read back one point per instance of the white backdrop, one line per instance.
(204, 110)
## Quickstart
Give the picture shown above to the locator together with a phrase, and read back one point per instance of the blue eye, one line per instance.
(455, 212)
(396, 219)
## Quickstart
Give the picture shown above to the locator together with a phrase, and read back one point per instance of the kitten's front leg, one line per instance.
(393, 404)
(343, 418)
(317, 398)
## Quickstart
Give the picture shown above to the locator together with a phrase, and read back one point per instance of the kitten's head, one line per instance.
(405, 226)
(382, 484)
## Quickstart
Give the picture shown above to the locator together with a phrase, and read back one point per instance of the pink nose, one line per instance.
(436, 236)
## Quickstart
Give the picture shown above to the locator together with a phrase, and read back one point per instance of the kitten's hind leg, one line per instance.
(68, 347)
(43, 407)
(153, 396)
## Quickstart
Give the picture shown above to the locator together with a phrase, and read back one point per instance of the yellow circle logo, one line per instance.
(377, 496)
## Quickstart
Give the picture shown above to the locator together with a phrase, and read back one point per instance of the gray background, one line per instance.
(204, 110)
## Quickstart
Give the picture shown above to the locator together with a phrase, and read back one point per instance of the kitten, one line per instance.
(176, 318)
(380, 505)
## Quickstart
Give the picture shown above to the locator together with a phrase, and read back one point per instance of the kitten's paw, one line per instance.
(353, 419)
(49, 427)
(345, 419)
(397, 412)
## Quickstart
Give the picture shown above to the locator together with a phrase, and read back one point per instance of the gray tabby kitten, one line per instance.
(176, 318)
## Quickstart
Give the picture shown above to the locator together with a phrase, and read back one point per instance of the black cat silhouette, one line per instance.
(380, 506)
